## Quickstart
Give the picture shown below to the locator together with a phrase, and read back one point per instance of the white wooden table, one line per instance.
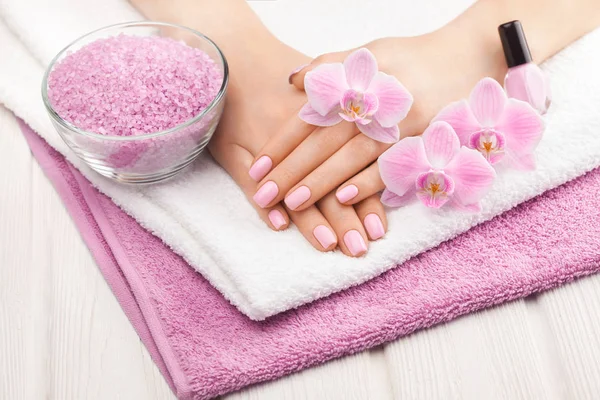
(63, 334)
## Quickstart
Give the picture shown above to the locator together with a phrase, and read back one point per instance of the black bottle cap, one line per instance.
(514, 43)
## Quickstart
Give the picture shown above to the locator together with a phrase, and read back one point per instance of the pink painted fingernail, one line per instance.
(347, 193)
(260, 168)
(276, 218)
(295, 71)
(355, 243)
(297, 197)
(374, 226)
(324, 236)
(266, 194)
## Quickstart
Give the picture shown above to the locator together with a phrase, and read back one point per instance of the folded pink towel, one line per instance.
(205, 347)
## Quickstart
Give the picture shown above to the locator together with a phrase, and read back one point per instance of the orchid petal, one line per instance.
(371, 103)
(432, 201)
(461, 118)
(375, 131)
(473, 176)
(495, 158)
(487, 101)
(441, 143)
(473, 207)
(325, 86)
(361, 67)
(394, 99)
(521, 126)
(346, 117)
(310, 116)
(362, 121)
(400, 165)
(391, 199)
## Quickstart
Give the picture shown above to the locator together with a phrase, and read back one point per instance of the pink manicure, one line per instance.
(347, 193)
(374, 226)
(276, 219)
(260, 168)
(355, 243)
(324, 236)
(297, 197)
(266, 194)
(295, 71)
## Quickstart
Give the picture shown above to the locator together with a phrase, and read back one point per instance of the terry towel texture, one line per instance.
(205, 347)
(203, 216)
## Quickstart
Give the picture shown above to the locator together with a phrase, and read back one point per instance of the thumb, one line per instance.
(296, 77)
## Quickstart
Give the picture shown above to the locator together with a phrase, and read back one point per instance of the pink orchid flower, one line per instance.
(435, 169)
(495, 125)
(356, 91)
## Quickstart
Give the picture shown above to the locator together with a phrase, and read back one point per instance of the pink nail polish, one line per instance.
(276, 218)
(355, 243)
(347, 193)
(374, 226)
(266, 194)
(260, 168)
(295, 71)
(297, 197)
(524, 80)
(324, 235)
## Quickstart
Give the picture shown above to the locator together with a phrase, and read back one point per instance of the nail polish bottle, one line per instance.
(524, 80)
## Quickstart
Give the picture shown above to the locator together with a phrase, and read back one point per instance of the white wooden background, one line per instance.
(64, 336)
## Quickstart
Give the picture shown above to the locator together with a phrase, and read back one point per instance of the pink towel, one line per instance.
(205, 347)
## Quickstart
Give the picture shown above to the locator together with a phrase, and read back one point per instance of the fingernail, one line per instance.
(266, 194)
(324, 236)
(355, 242)
(276, 218)
(347, 193)
(374, 226)
(295, 71)
(297, 197)
(260, 168)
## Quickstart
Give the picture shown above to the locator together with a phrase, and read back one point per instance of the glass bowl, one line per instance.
(150, 157)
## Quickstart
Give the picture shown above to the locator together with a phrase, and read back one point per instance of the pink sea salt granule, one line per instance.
(131, 85)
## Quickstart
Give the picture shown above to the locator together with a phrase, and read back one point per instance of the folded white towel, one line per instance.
(203, 215)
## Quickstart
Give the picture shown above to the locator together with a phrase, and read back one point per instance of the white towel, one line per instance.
(202, 214)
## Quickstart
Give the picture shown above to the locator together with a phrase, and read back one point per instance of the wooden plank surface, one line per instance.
(64, 336)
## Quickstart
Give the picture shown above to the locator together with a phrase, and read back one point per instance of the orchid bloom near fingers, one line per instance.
(495, 125)
(435, 169)
(357, 92)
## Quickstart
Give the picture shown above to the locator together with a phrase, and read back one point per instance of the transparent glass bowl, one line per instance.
(154, 156)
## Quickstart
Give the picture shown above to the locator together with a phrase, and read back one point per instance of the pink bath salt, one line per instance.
(132, 85)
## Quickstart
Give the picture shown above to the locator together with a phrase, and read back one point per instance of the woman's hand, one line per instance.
(259, 99)
(256, 106)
